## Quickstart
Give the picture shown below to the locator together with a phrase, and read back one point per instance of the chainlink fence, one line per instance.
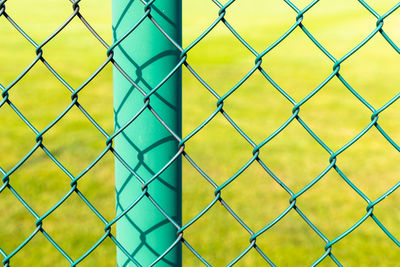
(327, 252)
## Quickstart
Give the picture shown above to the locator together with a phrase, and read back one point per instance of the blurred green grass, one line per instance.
(296, 65)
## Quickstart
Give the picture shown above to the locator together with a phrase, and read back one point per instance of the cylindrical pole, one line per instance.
(147, 56)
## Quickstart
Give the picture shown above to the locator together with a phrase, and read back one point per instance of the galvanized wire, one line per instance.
(254, 155)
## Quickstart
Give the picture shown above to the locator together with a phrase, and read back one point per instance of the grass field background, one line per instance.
(297, 65)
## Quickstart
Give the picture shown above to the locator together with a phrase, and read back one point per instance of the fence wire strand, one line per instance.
(254, 156)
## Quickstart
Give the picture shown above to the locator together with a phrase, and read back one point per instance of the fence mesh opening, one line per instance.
(290, 134)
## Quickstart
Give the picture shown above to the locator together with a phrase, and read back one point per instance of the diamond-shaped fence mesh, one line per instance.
(25, 141)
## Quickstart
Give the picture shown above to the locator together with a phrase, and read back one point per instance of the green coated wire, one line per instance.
(254, 156)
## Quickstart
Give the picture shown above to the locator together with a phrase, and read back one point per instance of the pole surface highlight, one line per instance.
(147, 56)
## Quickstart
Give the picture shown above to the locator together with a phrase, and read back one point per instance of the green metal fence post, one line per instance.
(147, 56)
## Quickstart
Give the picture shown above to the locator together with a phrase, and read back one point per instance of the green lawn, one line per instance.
(296, 65)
